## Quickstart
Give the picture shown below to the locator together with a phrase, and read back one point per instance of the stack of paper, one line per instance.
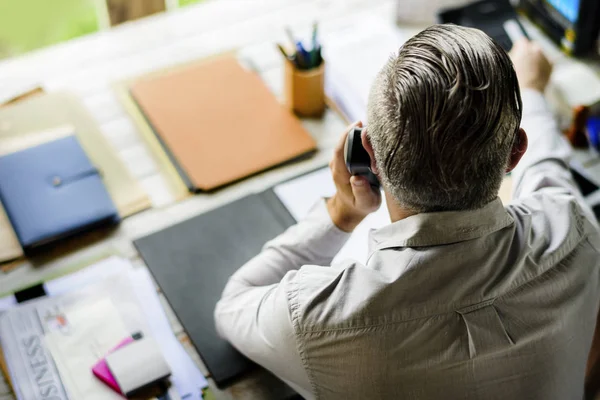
(85, 315)
(355, 54)
(419, 11)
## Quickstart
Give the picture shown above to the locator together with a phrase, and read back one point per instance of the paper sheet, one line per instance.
(13, 144)
(577, 83)
(424, 11)
(10, 248)
(92, 330)
(186, 377)
(355, 54)
(300, 194)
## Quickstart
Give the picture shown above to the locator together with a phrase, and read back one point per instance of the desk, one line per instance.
(89, 66)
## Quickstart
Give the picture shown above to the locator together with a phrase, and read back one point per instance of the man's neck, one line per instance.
(397, 212)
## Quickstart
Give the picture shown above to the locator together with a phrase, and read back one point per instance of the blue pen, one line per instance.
(302, 56)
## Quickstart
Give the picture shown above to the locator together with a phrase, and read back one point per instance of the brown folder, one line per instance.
(219, 122)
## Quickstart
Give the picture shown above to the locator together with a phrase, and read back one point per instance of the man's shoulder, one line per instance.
(555, 218)
(321, 298)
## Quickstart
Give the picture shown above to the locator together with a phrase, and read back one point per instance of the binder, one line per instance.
(192, 261)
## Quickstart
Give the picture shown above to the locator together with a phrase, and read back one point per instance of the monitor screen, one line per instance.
(568, 8)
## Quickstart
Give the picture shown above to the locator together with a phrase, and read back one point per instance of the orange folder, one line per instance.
(219, 123)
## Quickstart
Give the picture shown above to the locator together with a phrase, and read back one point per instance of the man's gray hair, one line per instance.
(443, 116)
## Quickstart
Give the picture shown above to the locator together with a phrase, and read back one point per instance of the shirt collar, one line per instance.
(438, 228)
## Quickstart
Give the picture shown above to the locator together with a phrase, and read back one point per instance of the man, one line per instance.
(461, 297)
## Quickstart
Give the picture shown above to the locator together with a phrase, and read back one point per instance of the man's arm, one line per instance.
(254, 313)
(545, 164)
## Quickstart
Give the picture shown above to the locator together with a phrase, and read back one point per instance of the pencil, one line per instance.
(282, 50)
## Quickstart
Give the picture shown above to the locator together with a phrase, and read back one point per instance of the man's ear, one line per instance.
(519, 148)
(366, 142)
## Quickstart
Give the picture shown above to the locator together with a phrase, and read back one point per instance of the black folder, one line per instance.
(192, 261)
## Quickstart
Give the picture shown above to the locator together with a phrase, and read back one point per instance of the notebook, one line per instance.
(192, 261)
(219, 123)
(52, 111)
(52, 191)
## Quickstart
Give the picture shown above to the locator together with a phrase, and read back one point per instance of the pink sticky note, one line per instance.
(102, 372)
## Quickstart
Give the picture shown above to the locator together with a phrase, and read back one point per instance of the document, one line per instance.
(106, 301)
(32, 370)
(300, 194)
(10, 248)
(185, 375)
(424, 12)
(576, 83)
(355, 54)
(90, 330)
(80, 326)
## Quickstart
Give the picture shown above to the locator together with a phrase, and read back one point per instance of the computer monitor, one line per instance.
(567, 8)
(573, 24)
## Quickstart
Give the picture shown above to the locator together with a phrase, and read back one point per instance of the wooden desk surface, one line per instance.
(89, 67)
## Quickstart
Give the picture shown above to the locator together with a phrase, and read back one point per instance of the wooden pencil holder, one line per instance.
(305, 90)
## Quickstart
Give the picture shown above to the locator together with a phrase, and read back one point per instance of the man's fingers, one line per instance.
(338, 165)
(339, 172)
(365, 198)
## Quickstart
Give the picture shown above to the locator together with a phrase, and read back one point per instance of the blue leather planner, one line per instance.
(52, 191)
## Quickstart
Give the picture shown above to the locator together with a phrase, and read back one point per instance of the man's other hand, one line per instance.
(354, 199)
(532, 67)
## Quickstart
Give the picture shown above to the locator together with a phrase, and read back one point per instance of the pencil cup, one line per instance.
(305, 90)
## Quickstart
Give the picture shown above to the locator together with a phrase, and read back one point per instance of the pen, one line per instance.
(316, 46)
(302, 56)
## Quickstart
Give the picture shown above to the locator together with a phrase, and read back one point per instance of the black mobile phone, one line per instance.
(357, 159)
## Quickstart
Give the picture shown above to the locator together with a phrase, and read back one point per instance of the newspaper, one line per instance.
(22, 339)
(91, 298)
(25, 332)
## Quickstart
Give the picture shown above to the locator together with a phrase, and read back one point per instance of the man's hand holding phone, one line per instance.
(354, 198)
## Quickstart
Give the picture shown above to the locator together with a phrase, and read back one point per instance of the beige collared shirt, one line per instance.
(497, 303)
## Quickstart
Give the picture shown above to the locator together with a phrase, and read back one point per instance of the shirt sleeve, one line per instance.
(253, 313)
(545, 165)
